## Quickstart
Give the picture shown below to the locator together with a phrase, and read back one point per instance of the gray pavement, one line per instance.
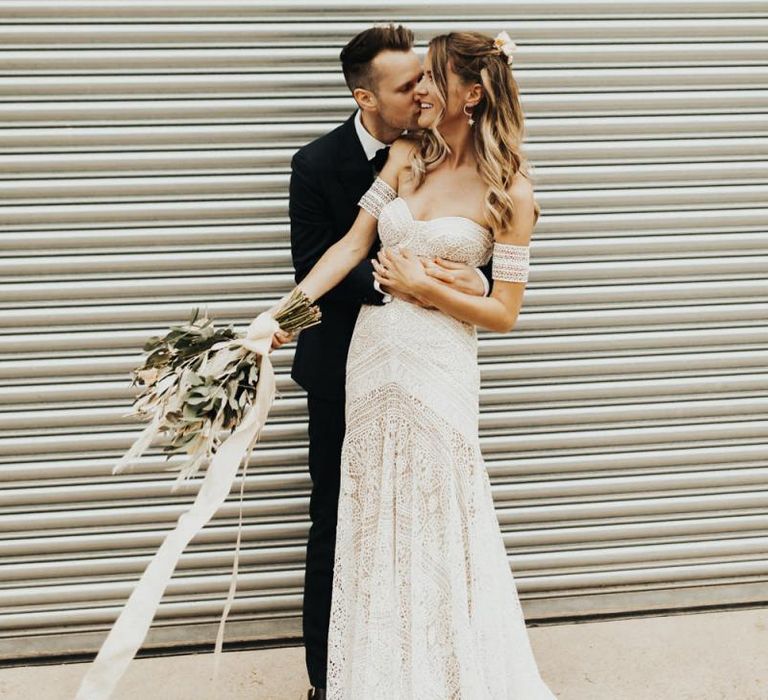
(702, 656)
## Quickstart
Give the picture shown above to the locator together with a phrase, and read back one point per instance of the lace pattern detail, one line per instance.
(450, 237)
(378, 195)
(424, 603)
(510, 262)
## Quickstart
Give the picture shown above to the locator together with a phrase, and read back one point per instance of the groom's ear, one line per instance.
(365, 98)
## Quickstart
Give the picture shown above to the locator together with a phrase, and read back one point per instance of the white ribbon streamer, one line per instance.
(130, 629)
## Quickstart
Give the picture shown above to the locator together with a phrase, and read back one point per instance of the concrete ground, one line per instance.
(700, 656)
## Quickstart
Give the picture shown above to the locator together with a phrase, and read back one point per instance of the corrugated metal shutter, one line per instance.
(144, 171)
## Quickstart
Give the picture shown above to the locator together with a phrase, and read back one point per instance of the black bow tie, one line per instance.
(379, 159)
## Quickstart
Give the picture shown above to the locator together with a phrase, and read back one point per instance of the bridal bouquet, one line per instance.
(197, 381)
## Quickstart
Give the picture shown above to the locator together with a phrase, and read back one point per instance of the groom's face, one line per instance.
(396, 74)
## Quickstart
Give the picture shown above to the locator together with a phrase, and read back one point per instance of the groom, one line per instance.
(328, 177)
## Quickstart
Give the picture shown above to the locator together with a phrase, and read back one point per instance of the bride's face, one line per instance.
(431, 101)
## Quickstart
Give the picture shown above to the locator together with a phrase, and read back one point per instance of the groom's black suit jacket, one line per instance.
(328, 177)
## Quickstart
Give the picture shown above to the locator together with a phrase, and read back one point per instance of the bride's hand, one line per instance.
(399, 270)
(460, 276)
(281, 337)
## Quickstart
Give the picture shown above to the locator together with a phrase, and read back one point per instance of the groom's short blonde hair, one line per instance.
(357, 56)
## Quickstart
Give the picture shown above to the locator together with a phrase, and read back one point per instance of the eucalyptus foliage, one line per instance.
(199, 380)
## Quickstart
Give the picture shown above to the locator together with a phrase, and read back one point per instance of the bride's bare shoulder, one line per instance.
(398, 162)
(526, 212)
(402, 148)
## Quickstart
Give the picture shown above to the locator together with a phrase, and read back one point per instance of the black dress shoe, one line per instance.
(316, 694)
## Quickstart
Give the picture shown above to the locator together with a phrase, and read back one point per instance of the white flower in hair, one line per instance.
(504, 43)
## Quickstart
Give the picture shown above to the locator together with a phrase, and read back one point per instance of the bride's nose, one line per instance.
(421, 88)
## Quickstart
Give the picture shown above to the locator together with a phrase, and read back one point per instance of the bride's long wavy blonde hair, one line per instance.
(499, 127)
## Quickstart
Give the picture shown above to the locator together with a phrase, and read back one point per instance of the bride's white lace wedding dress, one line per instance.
(424, 603)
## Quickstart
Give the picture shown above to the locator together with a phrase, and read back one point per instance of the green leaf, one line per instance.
(189, 412)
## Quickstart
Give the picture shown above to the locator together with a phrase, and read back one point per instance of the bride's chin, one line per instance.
(425, 120)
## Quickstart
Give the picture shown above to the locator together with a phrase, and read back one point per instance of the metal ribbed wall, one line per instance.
(144, 161)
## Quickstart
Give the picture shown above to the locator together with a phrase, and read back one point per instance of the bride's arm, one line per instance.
(497, 312)
(347, 252)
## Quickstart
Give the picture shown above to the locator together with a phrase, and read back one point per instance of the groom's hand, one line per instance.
(406, 297)
(402, 295)
(461, 277)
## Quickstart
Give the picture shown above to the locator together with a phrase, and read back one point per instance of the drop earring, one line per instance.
(470, 121)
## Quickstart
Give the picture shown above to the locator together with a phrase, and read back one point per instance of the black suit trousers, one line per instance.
(326, 436)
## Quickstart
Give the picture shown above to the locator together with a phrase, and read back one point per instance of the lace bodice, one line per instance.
(454, 238)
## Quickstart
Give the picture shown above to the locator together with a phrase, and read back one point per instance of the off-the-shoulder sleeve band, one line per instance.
(510, 262)
(378, 195)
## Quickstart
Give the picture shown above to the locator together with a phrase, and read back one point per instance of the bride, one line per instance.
(424, 603)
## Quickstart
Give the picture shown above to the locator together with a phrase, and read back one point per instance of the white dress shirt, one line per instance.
(370, 145)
